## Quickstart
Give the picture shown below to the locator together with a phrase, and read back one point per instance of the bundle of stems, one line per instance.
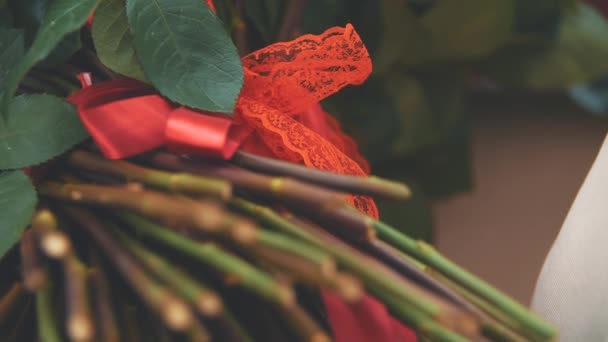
(215, 250)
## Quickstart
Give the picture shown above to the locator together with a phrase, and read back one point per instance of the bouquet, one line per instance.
(158, 186)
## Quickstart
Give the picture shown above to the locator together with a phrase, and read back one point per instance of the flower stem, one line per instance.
(496, 324)
(204, 299)
(175, 313)
(31, 263)
(79, 321)
(198, 332)
(428, 255)
(173, 182)
(11, 299)
(53, 242)
(47, 327)
(370, 186)
(369, 271)
(328, 207)
(402, 265)
(106, 321)
(304, 325)
(231, 329)
(209, 253)
(286, 244)
(173, 210)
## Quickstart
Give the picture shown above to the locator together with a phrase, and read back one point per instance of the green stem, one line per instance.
(305, 251)
(47, 327)
(207, 301)
(175, 312)
(178, 211)
(428, 255)
(304, 325)
(231, 327)
(199, 333)
(53, 242)
(370, 186)
(79, 321)
(428, 328)
(370, 272)
(496, 324)
(108, 327)
(211, 254)
(174, 182)
(31, 262)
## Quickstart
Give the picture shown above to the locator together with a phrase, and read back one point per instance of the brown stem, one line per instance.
(175, 312)
(390, 286)
(34, 276)
(79, 321)
(129, 316)
(53, 242)
(211, 254)
(273, 187)
(400, 263)
(295, 265)
(370, 186)
(204, 299)
(177, 182)
(10, 300)
(199, 332)
(171, 210)
(329, 207)
(305, 326)
(108, 327)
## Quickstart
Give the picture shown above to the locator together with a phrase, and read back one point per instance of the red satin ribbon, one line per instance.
(126, 118)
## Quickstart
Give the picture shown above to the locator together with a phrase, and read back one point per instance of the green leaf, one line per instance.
(11, 52)
(6, 18)
(404, 41)
(64, 50)
(368, 114)
(462, 29)
(539, 18)
(61, 17)
(418, 122)
(38, 128)
(113, 39)
(579, 55)
(18, 201)
(28, 16)
(186, 53)
(430, 103)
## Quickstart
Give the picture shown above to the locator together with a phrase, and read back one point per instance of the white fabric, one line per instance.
(572, 290)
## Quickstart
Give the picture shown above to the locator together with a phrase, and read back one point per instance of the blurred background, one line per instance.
(491, 110)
